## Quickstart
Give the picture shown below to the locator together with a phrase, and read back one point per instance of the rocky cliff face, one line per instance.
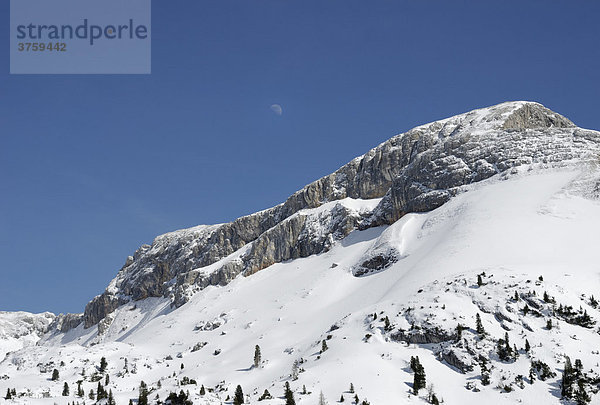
(412, 172)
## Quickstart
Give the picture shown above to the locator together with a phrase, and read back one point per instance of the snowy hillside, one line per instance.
(513, 230)
(493, 288)
(22, 329)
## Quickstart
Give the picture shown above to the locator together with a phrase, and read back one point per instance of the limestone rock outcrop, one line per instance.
(416, 171)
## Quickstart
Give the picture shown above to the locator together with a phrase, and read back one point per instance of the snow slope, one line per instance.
(22, 329)
(513, 228)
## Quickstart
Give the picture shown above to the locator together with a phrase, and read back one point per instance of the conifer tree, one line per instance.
(143, 394)
(578, 368)
(80, 391)
(55, 375)
(342, 398)
(568, 378)
(351, 388)
(202, 390)
(265, 395)
(479, 326)
(322, 400)
(289, 395)
(549, 324)
(485, 372)
(324, 346)
(580, 395)
(103, 364)
(257, 356)
(459, 331)
(111, 399)
(238, 398)
(8, 394)
(479, 280)
(65, 392)
(527, 346)
(92, 395)
(387, 325)
(419, 381)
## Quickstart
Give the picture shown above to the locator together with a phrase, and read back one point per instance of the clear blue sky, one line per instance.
(93, 166)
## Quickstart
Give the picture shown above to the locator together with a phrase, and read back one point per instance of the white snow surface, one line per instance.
(515, 229)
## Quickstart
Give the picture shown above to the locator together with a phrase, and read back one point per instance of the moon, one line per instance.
(277, 109)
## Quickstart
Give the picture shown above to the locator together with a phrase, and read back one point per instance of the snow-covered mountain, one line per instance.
(22, 329)
(487, 220)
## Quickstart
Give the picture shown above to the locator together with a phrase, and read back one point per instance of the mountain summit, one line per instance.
(456, 262)
(416, 171)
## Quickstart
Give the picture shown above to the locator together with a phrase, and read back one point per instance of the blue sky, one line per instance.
(91, 167)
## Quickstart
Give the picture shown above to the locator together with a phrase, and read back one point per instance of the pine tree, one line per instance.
(289, 395)
(419, 381)
(324, 346)
(580, 395)
(202, 390)
(351, 388)
(479, 326)
(103, 365)
(578, 368)
(485, 372)
(143, 394)
(265, 395)
(516, 296)
(130, 402)
(527, 346)
(111, 399)
(101, 392)
(65, 392)
(257, 356)
(459, 331)
(322, 400)
(387, 325)
(505, 352)
(568, 378)
(92, 395)
(479, 280)
(8, 394)
(342, 398)
(238, 398)
(549, 324)
(531, 375)
(80, 391)
(295, 370)
(106, 380)
(55, 375)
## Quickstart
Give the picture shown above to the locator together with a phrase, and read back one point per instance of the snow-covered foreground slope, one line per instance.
(509, 230)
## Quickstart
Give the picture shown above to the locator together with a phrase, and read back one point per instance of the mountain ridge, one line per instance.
(393, 171)
(347, 289)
